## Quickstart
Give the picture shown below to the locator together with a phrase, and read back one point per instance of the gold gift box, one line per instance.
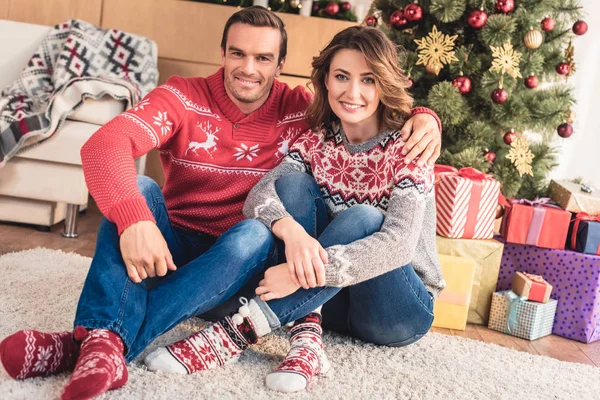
(488, 256)
(569, 196)
(452, 306)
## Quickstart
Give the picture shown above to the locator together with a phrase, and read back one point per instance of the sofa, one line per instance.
(44, 185)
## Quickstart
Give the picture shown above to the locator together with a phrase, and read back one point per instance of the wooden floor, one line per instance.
(17, 237)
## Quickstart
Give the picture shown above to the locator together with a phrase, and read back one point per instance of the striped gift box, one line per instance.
(466, 202)
(518, 317)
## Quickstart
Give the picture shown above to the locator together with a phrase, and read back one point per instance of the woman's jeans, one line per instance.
(393, 309)
(209, 271)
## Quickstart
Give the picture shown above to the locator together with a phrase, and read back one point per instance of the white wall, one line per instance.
(580, 154)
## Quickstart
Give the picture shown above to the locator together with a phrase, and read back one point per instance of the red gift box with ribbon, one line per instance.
(466, 201)
(535, 223)
(576, 239)
(531, 286)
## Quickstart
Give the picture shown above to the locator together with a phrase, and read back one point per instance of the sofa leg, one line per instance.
(70, 230)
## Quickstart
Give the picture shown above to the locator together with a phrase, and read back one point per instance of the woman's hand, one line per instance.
(304, 254)
(276, 284)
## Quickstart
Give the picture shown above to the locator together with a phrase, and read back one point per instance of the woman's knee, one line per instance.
(365, 218)
(296, 186)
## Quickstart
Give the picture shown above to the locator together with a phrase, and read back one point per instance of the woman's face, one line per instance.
(352, 93)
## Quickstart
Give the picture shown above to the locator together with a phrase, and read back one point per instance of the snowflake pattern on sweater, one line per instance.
(371, 173)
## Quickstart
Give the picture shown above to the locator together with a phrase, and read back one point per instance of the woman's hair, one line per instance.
(381, 56)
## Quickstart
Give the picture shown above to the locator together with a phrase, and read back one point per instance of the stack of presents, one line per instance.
(540, 275)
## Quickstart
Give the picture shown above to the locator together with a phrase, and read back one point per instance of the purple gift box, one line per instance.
(575, 278)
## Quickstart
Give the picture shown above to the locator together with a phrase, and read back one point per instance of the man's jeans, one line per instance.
(392, 309)
(209, 271)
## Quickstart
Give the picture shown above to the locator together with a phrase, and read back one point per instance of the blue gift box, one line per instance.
(587, 237)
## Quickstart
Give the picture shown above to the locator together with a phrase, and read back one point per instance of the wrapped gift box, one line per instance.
(584, 234)
(452, 305)
(535, 223)
(575, 278)
(512, 314)
(466, 201)
(569, 196)
(532, 287)
(487, 255)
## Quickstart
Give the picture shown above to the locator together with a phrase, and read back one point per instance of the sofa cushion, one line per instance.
(64, 145)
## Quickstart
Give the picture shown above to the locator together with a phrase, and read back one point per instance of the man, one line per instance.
(217, 137)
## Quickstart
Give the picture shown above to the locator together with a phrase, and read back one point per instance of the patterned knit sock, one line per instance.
(27, 354)
(100, 367)
(219, 344)
(305, 359)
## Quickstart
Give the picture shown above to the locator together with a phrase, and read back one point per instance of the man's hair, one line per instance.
(260, 17)
(381, 56)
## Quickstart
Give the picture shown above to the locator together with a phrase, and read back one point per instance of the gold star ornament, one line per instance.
(506, 60)
(436, 49)
(521, 156)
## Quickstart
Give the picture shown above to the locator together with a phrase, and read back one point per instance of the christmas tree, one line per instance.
(496, 72)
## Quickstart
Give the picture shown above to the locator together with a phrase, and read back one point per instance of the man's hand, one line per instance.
(276, 284)
(304, 254)
(425, 139)
(145, 251)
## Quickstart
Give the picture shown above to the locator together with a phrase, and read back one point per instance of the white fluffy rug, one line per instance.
(39, 289)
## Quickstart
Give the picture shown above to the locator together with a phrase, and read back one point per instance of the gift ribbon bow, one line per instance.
(582, 216)
(467, 172)
(538, 286)
(513, 301)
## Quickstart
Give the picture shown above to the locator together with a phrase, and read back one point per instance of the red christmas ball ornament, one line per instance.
(413, 12)
(477, 19)
(499, 96)
(505, 6)
(565, 130)
(580, 28)
(489, 156)
(397, 19)
(463, 84)
(332, 8)
(532, 81)
(345, 6)
(316, 6)
(548, 24)
(563, 68)
(510, 137)
(371, 21)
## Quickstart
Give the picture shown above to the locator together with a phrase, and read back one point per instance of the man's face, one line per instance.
(250, 64)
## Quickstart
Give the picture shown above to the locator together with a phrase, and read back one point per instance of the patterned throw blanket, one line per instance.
(76, 61)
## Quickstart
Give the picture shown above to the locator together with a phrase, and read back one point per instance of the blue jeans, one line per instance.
(392, 309)
(209, 271)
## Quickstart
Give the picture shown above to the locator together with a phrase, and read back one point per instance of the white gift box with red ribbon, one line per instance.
(466, 202)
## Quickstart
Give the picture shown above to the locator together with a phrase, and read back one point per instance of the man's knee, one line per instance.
(363, 219)
(148, 187)
(249, 237)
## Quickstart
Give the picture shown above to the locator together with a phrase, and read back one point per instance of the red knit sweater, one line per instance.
(211, 152)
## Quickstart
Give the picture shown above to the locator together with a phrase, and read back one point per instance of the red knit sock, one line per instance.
(219, 344)
(305, 359)
(27, 354)
(100, 367)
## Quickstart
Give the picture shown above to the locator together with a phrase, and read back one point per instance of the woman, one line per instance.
(374, 263)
